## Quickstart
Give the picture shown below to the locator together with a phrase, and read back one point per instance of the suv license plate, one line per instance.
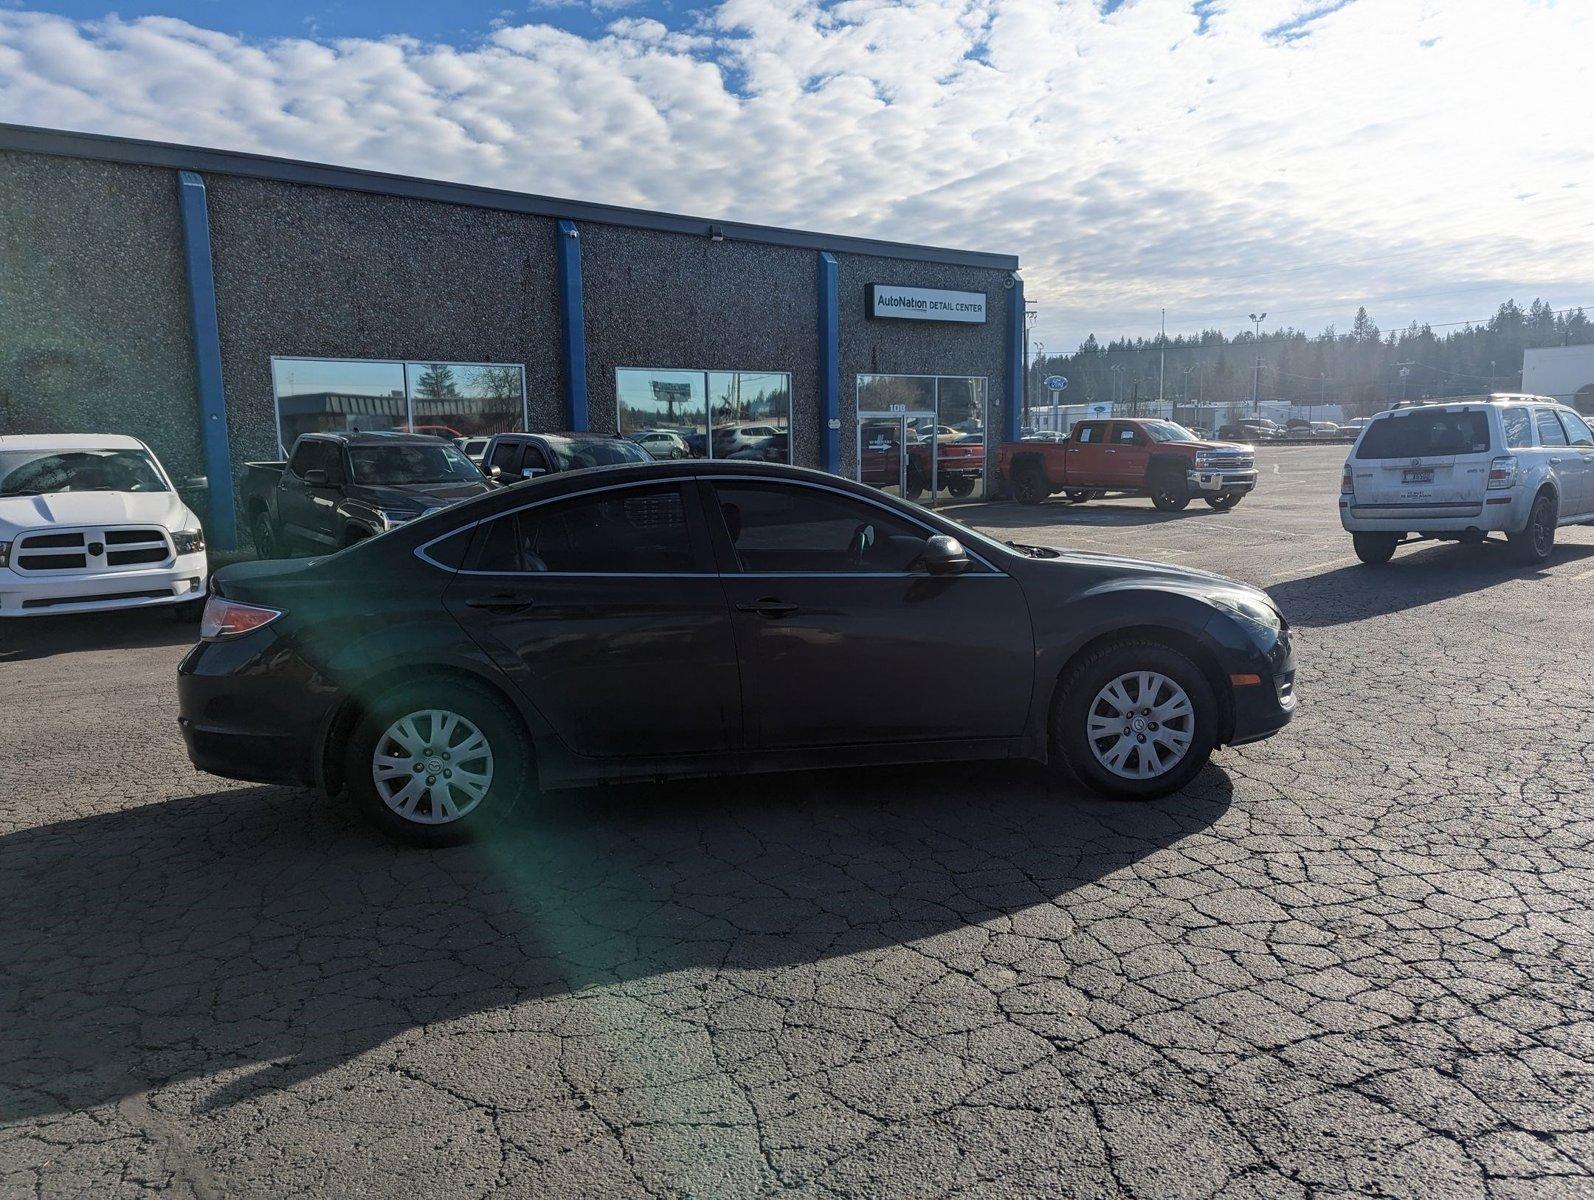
(1422, 475)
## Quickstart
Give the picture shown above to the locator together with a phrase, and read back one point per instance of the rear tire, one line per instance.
(1029, 486)
(1086, 735)
(1375, 549)
(420, 713)
(1170, 491)
(960, 487)
(263, 532)
(1535, 542)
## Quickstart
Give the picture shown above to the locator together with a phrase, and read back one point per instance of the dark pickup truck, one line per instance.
(340, 488)
(511, 457)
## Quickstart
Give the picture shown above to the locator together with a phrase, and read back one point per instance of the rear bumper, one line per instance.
(28, 595)
(1501, 511)
(250, 708)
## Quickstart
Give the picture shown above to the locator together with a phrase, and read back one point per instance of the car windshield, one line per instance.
(1167, 431)
(411, 462)
(574, 453)
(1419, 432)
(38, 472)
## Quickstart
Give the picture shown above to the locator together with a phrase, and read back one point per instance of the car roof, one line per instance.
(70, 441)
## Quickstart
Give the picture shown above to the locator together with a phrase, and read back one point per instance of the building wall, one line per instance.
(1562, 372)
(94, 325)
(895, 347)
(325, 273)
(669, 301)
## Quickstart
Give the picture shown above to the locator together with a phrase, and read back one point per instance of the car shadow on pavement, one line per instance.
(26, 638)
(1104, 513)
(1415, 577)
(265, 935)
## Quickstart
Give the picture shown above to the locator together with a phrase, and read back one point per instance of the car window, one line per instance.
(779, 529)
(1518, 428)
(1577, 430)
(1418, 432)
(1089, 432)
(535, 459)
(41, 472)
(504, 456)
(1550, 431)
(411, 462)
(1126, 435)
(318, 456)
(630, 531)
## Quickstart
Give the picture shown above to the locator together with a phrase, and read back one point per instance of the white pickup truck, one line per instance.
(91, 522)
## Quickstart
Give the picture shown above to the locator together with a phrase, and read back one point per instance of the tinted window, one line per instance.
(316, 456)
(776, 529)
(1550, 431)
(629, 531)
(1518, 428)
(1091, 431)
(503, 456)
(1417, 433)
(1577, 430)
(412, 462)
(574, 453)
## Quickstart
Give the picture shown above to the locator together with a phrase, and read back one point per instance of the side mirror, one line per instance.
(316, 477)
(945, 555)
(494, 472)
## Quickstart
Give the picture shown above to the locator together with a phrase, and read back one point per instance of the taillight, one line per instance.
(1502, 472)
(1347, 486)
(225, 618)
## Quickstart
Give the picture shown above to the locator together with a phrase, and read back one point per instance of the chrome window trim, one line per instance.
(420, 551)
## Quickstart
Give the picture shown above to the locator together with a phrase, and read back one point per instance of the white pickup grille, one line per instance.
(91, 551)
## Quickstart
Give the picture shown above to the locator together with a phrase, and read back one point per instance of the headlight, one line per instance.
(189, 541)
(1202, 461)
(1260, 618)
(393, 518)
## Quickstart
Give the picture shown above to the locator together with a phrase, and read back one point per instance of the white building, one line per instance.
(1564, 372)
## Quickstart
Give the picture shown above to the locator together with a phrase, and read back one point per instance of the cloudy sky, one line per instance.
(1425, 157)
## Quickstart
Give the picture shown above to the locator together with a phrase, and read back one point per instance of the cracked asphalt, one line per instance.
(1354, 960)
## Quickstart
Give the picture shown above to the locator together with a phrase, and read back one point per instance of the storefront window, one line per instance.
(707, 414)
(321, 395)
(923, 436)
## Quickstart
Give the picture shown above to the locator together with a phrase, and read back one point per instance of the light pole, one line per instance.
(1405, 371)
(1256, 373)
(1162, 355)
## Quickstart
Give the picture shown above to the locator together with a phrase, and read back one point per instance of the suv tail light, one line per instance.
(228, 618)
(1502, 472)
(1347, 485)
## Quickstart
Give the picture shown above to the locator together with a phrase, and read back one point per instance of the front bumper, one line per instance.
(33, 595)
(1262, 708)
(250, 708)
(1218, 482)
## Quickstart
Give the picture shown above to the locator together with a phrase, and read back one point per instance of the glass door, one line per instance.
(883, 452)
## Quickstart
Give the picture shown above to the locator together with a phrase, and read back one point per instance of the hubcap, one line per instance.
(1140, 725)
(432, 766)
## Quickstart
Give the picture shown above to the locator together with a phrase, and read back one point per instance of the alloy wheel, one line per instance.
(432, 766)
(1141, 725)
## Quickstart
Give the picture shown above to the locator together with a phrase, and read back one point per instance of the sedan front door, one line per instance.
(845, 639)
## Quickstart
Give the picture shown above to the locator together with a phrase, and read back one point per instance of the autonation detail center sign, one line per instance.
(925, 304)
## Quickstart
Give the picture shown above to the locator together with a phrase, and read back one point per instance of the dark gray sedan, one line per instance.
(699, 618)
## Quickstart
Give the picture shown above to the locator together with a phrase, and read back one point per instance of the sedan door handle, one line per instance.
(503, 602)
(768, 607)
(1555, 462)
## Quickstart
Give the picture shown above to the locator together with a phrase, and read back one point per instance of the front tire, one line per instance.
(1135, 719)
(1170, 491)
(1535, 542)
(1224, 502)
(264, 534)
(960, 487)
(1029, 486)
(1077, 495)
(1375, 549)
(436, 764)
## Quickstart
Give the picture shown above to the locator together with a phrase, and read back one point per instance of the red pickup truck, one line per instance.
(1129, 456)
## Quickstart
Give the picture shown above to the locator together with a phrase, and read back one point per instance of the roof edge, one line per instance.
(31, 139)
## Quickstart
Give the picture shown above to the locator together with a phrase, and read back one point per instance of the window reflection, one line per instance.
(451, 400)
(943, 422)
(706, 414)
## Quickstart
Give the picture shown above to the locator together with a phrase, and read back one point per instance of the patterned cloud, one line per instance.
(1426, 157)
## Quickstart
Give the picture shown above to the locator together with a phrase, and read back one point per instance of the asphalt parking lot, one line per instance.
(1353, 960)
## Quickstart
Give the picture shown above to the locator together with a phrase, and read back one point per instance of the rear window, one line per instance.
(1418, 433)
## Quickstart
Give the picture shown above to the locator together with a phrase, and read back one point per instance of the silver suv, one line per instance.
(1519, 465)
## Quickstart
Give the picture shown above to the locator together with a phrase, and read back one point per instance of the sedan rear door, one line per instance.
(845, 639)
